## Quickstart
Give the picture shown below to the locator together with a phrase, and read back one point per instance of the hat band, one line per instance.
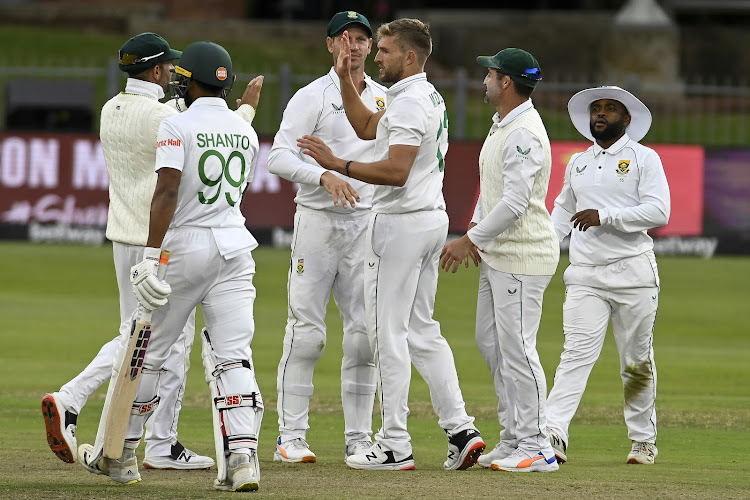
(533, 74)
(128, 59)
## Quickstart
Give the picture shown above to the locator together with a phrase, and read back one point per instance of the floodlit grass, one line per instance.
(58, 305)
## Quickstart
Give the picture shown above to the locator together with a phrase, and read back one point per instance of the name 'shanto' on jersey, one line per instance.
(211, 140)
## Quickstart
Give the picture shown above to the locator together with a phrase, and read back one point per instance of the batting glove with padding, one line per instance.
(150, 291)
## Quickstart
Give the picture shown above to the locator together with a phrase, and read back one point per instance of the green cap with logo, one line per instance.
(206, 62)
(145, 51)
(343, 19)
(518, 64)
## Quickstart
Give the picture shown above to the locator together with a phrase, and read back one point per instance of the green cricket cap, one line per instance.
(342, 19)
(518, 64)
(145, 51)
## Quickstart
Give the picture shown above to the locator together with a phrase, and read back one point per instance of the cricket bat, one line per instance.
(126, 384)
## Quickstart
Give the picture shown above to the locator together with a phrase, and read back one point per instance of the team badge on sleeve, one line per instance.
(300, 266)
(380, 103)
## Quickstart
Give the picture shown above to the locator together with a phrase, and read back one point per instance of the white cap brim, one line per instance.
(578, 108)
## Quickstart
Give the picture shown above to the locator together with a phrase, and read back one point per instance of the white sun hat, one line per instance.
(578, 108)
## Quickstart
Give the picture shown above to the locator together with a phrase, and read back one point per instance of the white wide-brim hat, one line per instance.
(578, 108)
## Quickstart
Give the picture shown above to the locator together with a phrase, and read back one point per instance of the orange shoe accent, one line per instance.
(473, 455)
(523, 464)
(53, 424)
(305, 460)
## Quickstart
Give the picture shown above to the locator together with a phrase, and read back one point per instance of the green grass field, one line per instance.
(58, 305)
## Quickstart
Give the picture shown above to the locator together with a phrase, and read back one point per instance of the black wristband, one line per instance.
(347, 167)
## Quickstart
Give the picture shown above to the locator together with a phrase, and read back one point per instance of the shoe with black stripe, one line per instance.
(559, 446)
(378, 458)
(180, 458)
(464, 450)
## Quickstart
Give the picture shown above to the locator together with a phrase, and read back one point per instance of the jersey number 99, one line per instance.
(225, 174)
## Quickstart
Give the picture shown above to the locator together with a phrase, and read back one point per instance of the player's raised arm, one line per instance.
(363, 120)
(251, 95)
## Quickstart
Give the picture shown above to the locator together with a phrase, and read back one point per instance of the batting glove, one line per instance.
(150, 291)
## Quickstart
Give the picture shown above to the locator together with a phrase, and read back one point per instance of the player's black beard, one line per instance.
(613, 130)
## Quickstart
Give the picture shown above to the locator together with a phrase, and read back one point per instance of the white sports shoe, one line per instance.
(526, 461)
(559, 446)
(358, 448)
(464, 449)
(123, 470)
(181, 458)
(500, 451)
(377, 458)
(243, 473)
(295, 451)
(642, 453)
(61, 428)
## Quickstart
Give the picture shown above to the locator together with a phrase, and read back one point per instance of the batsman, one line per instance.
(205, 158)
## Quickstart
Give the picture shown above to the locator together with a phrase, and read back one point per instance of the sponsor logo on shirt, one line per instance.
(338, 108)
(579, 171)
(522, 154)
(168, 142)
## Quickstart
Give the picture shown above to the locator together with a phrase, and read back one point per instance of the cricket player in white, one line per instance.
(406, 233)
(129, 125)
(205, 158)
(613, 193)
(519, 251)
(328, 249)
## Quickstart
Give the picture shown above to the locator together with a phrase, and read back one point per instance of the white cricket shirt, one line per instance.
(128, 128)
(317, 109)
(216, 151)
(416, 116)
(627, 185)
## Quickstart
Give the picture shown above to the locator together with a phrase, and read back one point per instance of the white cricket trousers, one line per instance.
(401, 274)
(509, 309)
(627, 292)
(327, 255)
(198, 274)
(161, 429)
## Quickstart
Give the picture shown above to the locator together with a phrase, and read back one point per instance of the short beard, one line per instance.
(613, 130)
(392, 76)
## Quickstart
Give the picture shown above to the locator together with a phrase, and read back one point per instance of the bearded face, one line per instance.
(604, 131)
(609, 119)
(390, 60)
